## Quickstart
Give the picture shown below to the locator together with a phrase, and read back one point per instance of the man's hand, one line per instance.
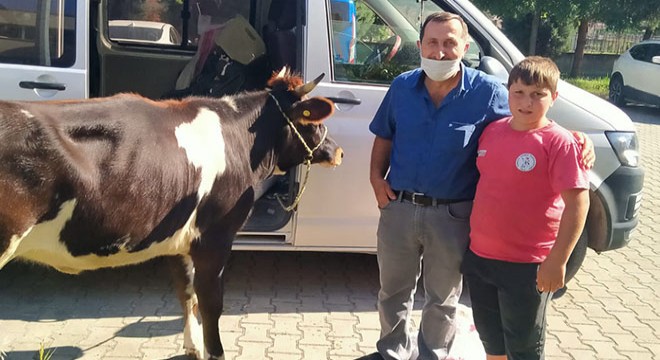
(383, 191)
(380, 162)
(551, 275)
(587, 155)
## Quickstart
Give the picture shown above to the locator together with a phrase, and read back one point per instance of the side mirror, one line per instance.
(494, 67)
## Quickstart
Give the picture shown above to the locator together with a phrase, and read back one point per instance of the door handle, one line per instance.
(344, 100)
(41, 85)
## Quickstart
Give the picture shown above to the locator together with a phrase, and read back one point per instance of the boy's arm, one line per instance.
(551, 274)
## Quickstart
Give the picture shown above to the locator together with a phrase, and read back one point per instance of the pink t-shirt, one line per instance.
(518, 204)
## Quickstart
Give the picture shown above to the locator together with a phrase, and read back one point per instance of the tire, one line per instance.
(574, 263)
(616, 91)
(577, 257)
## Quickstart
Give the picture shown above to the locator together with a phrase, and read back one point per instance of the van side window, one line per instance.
(364, 47)
(160, 24)
(36, 32)
(374, 45)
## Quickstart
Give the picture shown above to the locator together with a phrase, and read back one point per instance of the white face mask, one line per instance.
(440, 70)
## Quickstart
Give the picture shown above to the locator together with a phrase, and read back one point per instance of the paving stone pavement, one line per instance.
(321, 306)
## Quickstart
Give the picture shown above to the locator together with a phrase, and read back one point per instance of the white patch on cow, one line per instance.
(10, 252)
(231, 103)
(42, 244)
(205, 147)
(27, 114)
(193, 337)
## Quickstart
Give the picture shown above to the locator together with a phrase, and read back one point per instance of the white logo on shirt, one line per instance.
(481, 152)
(469, 130)
(525, 162)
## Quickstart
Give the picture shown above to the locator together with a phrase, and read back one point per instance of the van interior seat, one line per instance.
(280, 35)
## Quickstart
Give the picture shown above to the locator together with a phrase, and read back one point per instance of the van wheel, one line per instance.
(616, 90)
(574, 262)
(577, 257)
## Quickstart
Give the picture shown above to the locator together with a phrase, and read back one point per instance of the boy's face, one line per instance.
(530, 103)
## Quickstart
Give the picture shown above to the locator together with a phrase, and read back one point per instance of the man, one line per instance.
(426, 130)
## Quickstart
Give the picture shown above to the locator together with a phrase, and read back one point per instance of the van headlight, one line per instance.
(625, 146)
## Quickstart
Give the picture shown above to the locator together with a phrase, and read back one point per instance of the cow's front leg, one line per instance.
(209, 261)
(182, 273)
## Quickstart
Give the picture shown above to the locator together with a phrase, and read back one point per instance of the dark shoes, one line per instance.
(374, 356)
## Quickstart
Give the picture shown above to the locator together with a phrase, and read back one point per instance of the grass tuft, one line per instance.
(43, 354)
(597, 86)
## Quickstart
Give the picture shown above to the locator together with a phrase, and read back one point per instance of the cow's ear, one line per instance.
(313, 110)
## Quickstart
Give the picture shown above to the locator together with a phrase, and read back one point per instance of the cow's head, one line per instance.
(305, 116)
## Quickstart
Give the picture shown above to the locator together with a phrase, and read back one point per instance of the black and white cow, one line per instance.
(119, 180)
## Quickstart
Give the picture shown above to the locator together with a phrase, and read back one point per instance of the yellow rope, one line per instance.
(308, 158)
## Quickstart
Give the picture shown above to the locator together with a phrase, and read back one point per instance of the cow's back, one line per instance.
(95, 179)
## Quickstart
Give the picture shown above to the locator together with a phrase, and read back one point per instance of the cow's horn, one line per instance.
(308, 87)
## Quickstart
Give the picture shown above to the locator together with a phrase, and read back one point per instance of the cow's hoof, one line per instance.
(194, 354)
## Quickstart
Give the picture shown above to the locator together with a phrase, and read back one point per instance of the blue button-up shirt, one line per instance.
(434, 149)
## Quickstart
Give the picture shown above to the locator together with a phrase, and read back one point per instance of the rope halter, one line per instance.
(308, 157)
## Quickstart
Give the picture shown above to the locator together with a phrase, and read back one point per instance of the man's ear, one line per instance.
(312, 111)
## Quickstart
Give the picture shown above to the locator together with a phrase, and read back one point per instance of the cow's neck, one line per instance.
(264, 129)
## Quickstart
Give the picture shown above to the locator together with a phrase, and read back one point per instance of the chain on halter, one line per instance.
(308, 157)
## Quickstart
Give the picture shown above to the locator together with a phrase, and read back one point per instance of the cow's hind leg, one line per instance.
(210, 260)
(182, 274)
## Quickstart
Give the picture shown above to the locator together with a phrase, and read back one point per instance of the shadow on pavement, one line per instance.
(645, 114)
(277, 282)
(58, 353)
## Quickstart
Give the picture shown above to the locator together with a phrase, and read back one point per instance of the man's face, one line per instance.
(443, 41)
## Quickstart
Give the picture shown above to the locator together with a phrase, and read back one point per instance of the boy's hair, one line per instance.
(442, 16)
(536, 70)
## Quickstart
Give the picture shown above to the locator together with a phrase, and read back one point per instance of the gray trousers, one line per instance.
(406, 234)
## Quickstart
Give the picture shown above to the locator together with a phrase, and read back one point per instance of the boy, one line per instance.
(529, 210)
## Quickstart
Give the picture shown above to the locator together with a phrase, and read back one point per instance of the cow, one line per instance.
(114, 181)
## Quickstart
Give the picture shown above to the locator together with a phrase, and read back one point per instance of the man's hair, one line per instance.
(442, 16)
(536, 70)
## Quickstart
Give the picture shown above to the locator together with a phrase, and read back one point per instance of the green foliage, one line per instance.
(406, 59)
(630, 14)
(370, 27)
(554, 22)
(43, 354)
(364, 16)
(559, 17)
(597, 86)
(553, 34)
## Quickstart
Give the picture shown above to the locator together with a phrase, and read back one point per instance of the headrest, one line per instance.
(283, 14)
(240, 41)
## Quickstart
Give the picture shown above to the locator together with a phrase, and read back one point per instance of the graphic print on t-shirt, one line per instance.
(525, 162)
(467, 128)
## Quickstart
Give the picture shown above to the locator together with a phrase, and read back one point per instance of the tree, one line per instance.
(586, 11)
(616, 14)
(536, 11)
(633, 14)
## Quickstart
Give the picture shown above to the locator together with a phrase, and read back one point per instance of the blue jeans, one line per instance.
(408, 233)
